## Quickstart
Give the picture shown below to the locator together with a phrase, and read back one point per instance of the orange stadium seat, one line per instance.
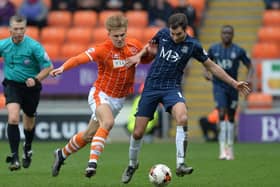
(48, 3)
(103, 15)
(199, 6)
(60, 18)
(85, 18)
(269, 34)
(137, 18)
(271, 18)
(149, 32)
(135, 32)
(71, 49)
(17, 3)
(190, 31)
(79, 35)
(173, 3)
(33, 32)
(99, 35)
(53, 50)
(258, 100)
(265, 50)
(4, 32)
(53, 35)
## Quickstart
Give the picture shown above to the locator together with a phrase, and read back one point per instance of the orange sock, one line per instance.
(97, 144)
(74, 144)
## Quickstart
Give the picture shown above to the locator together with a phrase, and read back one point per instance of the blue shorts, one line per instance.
(150, 99)
(225, 97)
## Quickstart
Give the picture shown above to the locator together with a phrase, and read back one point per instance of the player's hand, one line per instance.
(152, 48)
(57, 71)
(243, 87)
(133, 60)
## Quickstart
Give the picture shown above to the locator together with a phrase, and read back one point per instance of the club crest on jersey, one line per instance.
(133, 50)
(233, 55)
(185, 49)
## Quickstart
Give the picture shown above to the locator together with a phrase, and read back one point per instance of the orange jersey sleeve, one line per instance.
(113, 77)
(75, 61)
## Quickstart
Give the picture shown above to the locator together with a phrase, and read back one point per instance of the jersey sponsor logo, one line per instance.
(119, 63)
(115, 56)
(225, 63)
(26, 61)
(169, 55)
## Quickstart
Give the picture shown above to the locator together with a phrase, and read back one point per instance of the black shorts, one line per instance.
(27, 97)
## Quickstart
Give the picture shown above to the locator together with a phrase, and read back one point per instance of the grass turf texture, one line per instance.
(256, 165)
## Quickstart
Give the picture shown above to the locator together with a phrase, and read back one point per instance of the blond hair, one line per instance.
(116, 22)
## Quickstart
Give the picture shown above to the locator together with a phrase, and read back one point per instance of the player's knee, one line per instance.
(182, 119)
(137, 135)
(108, 124)
(13, 120)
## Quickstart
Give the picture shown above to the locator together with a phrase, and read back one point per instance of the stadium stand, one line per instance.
(53, 50)
(265, 50)
(71, 49)
(81, 18)
(137, 18)
(103, 15)
(258, 100)
(60, 18)
(53, 35)
(79, 35)
(271, 18)
(33, 32)
(4, 32)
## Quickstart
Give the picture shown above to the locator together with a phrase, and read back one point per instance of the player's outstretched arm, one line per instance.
(216, 70)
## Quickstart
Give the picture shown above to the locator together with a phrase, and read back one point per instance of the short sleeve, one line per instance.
(199, 53)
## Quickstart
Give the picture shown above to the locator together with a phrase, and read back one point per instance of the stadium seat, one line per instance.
(135, 32)
(99, 35)
(137, 18)
(173, 3)
(60, 18)
(269, 34)
(265, 50)
(71, 49)
(53, 50)
(17, 3)
(84, 18)
(48, 3)
(271, 18)
(259, 100)
(33, 32)
(103, 15)
(4, 32)
(149, 32)
(190, 31)
(53, 35)
(79, 35)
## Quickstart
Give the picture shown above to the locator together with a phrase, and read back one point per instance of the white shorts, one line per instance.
(95, 99)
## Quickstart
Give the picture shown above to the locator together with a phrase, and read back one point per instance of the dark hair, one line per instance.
(177, 20)
(228, 26)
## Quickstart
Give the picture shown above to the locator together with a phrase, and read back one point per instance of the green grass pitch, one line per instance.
(256, 165)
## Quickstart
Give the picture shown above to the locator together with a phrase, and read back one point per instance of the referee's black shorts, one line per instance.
(27, 97)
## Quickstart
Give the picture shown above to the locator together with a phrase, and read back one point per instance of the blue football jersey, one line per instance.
(171, 59)
(229, 59)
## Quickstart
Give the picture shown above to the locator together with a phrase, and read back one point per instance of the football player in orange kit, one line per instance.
(107, 95)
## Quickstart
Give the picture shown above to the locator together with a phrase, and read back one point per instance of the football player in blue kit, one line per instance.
(172, 49)
(228, 56)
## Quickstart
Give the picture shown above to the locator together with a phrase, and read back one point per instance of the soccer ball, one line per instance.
(160, 175)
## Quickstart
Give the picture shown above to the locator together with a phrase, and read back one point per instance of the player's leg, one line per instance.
(13, 135)
(105, 117)
(77, 142)
(13, 100)
(31, 97)
(220, 98)
(179, 113)
(230, 134)
(146, 109)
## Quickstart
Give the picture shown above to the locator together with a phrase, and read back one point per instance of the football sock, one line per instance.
(29, 135)
(14, 137)
(181, 144)
(97, 144)
(230, 133)
(222, 136)
(134, 149)
(75, 143)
